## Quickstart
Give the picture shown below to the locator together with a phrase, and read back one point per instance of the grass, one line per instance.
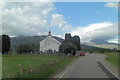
(0, 66)
(33, 66)
(113, 58)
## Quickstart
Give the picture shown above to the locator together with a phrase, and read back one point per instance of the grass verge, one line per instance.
(113, 58)
(0, 66)
(33, 66)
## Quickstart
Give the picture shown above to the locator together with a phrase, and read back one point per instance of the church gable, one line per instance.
(50, 38)
(49, 43)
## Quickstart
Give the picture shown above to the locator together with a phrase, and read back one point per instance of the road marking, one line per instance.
(66, 71)
(108, 69)
(111, 71)
(63, 74)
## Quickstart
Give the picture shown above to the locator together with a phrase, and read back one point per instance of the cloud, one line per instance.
(25, 17)
(61, 36)
(0, 20)
(105, 31)
(69, 17)
(97, 12)
(58, 20)
(28, 18)
(116, 40)
(67, 28)
(111, 5)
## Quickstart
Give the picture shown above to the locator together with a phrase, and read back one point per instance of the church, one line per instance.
(49, 44)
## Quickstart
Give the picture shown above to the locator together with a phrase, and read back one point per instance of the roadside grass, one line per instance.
(113, 58)
(0, 66)
(33, 65)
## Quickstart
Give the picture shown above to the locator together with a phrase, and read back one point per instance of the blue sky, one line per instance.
(88, 20)
(84, 13)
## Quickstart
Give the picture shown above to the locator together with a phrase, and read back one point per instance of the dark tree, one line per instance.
(68, 37)
(25, 48)
(0, 44)
(68, 47)
(5, 43)
(75, 40)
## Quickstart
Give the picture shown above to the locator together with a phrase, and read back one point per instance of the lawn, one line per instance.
(113, 58)
(33, 65)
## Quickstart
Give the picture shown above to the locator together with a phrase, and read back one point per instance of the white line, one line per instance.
(65, 72)
(110, 71)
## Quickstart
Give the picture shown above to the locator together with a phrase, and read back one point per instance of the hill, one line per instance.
(92, 49)
(102, 44)
(17, 41)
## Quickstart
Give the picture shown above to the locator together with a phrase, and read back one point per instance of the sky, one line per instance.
(88, 20)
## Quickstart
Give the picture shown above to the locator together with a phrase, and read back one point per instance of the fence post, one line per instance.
(20, 68)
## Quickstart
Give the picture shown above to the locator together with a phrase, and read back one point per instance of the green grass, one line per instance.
(0, 66)
(113, 58)
(42, 66)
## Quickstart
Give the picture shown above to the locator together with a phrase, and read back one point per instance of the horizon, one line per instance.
(58, 37)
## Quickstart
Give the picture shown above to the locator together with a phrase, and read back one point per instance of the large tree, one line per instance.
(5, 43)
(67, 47)
(25, 48)
(70, 45)
(0, 44)
(74, 40)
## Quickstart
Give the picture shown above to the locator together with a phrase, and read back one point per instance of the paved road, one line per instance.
(85, 67)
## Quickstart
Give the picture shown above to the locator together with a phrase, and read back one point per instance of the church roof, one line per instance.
(57, 38)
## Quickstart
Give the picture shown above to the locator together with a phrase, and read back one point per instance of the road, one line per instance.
(88, 66)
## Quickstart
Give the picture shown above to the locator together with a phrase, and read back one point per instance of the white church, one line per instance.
(49, 43)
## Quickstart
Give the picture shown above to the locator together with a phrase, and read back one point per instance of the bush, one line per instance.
(24, 48)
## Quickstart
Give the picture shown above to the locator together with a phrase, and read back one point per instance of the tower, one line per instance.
(49, 33)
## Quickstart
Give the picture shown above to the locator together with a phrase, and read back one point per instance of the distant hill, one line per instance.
(16, 41)
(99, 41)
(92, 49)
(102, 44)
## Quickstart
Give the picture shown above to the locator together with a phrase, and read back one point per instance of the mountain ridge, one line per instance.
(102, 43)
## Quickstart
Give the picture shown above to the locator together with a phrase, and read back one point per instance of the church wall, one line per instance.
(49, 43)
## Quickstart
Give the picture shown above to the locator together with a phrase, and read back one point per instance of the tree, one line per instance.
(70, 45)
(0, 44)
(5, 43)
(67, 47)
(74, 40)
(68, 37)
(24, 48)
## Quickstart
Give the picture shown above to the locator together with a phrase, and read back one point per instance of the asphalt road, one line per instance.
(88, 66)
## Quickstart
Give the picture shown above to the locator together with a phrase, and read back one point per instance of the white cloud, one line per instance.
(36, 18)
(58, 20)
(0, 19)
(25, 17)
(112, 4)
(61, 36)
(105, 31)
(97, 12)
(67, 28)
(69, 17)
(116, 40)
(28, 18)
